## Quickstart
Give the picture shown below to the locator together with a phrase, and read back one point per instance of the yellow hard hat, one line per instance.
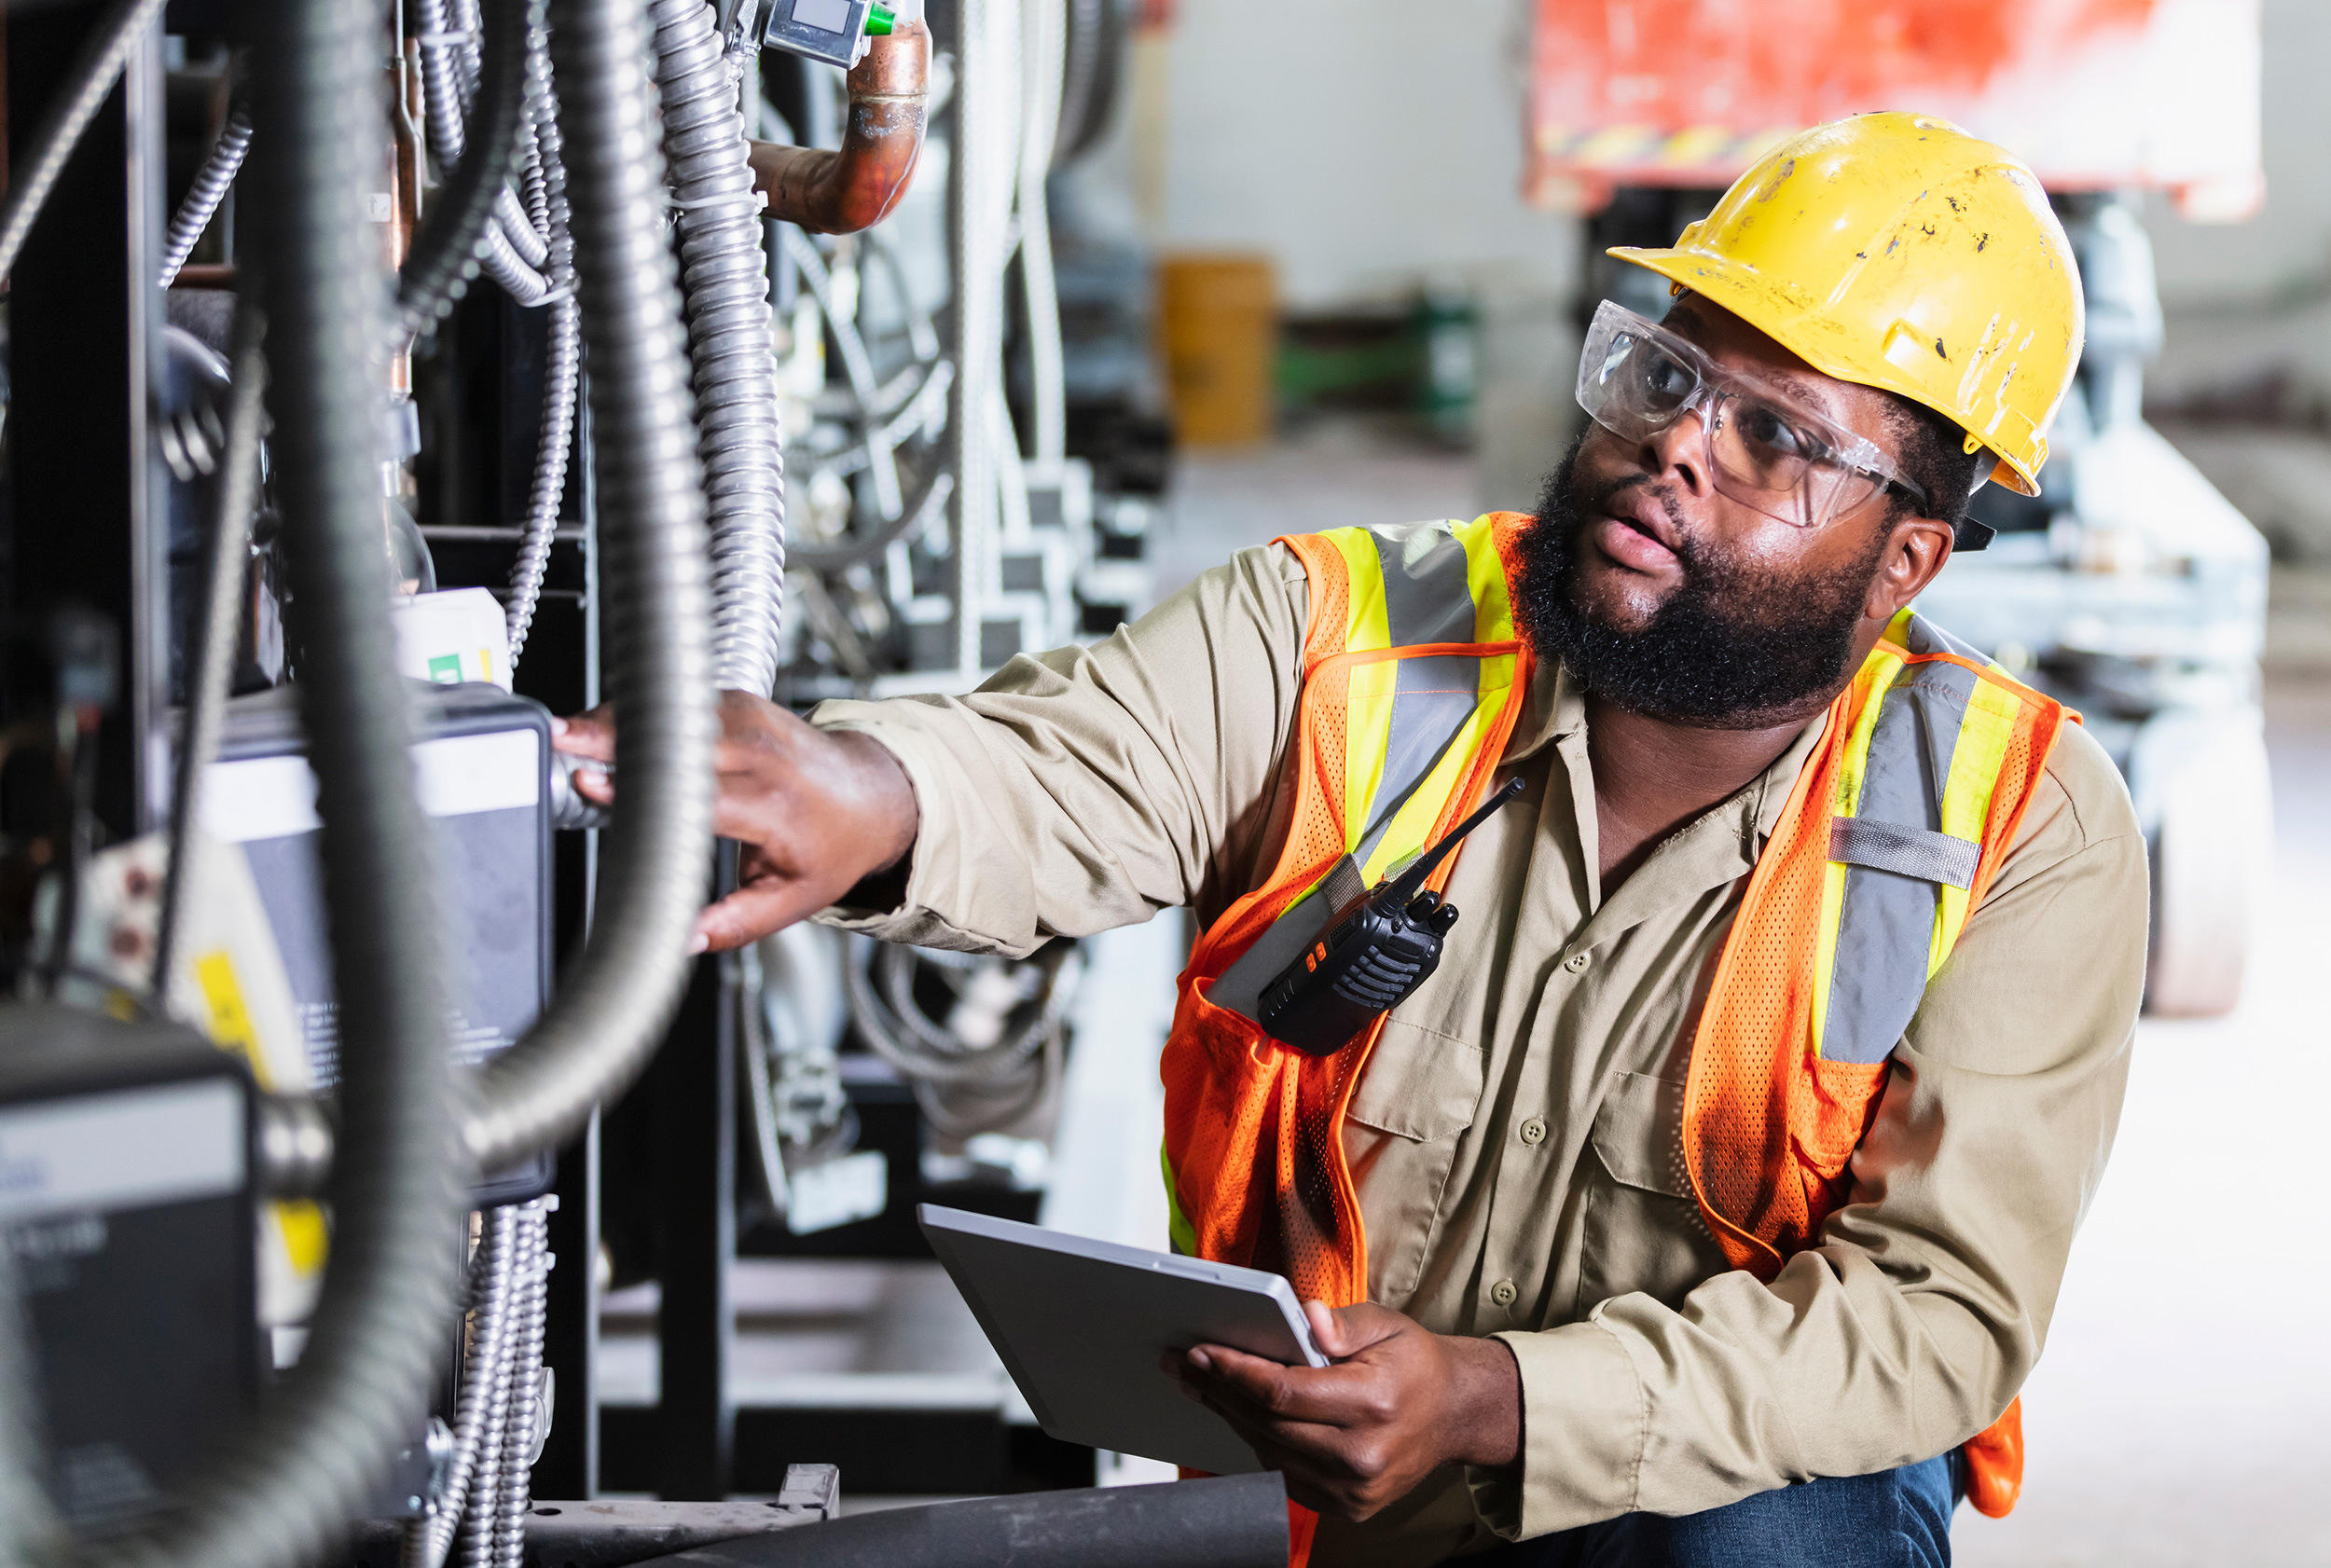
(1898, 252)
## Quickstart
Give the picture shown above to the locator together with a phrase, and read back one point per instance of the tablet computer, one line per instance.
(1079, 1324)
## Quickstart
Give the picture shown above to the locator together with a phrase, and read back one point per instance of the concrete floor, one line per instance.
(2179, 1415)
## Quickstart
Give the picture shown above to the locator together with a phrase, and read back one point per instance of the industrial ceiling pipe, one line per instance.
(1230, 1521)
(841, 192)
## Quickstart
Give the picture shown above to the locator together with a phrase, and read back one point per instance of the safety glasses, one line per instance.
(1636, 378)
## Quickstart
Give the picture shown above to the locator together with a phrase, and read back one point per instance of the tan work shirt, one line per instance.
(1517, 1131)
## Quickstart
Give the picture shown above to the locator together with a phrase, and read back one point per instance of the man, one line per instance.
(1739, 1138)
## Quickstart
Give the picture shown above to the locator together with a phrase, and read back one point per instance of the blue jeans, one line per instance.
(1896, 1519)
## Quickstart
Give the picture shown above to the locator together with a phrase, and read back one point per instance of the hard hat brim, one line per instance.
(1779, 311)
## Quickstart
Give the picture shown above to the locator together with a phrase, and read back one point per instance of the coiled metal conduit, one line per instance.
(514, 1491)
(485, 1375)
(442, 70)
(111, 43)
(211, 182)
(443, 260)
(279, 1496)
(607, 1020)
(546, 204)
(725, 275)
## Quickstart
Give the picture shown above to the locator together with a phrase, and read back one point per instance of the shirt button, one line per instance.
(1577, 963)
(1503, 1293)
(1533, 1132)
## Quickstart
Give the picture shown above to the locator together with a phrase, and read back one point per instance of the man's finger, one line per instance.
(1343, 1332)
(595, 785)
(1340, 1396)
(752, 912)
(589, 735)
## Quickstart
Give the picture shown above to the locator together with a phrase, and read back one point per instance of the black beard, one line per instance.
(1709, 657)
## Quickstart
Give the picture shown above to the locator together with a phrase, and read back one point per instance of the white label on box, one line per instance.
(127, 1149)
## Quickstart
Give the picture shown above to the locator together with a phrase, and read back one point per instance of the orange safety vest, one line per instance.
(1412, 678)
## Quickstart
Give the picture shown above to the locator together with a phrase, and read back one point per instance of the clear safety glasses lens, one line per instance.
(1637, 380)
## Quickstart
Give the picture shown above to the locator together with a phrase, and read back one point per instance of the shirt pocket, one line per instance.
(1644, 1233)
(1423, 1089)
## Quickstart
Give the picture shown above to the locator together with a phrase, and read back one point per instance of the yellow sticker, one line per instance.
(307, 1240)
(231, 1021)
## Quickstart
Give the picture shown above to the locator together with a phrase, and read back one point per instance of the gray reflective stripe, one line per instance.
(1922, 636)
(1887, 926)
(1932, 856)
(1240, 988)
(1427, 595)
(1430, 702)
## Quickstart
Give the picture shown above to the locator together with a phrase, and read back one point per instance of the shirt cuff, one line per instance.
(1585, 1421)
(932, 875)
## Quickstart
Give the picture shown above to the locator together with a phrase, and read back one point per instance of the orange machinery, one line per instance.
(2094, 94)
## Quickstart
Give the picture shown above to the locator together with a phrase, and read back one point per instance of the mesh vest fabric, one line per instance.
(1928, 761)
(1254, 1156)
(1807, 1002)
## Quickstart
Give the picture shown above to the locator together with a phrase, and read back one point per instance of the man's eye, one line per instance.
(1765, 426)
(1666, 380)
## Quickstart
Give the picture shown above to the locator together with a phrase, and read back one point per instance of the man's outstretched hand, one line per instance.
(1398, 1404)
(813, 811)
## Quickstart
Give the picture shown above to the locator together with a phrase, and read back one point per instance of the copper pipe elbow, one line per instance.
(843, 192)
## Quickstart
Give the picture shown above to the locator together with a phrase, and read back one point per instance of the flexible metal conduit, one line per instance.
(280, 1496)
(515, 1493)
(443, 260)
(725, 275)
(505, 251)
(607, 1019)
(483, 1372)
(546, 202)
(211, 182)
(212, 672)
(86, 89)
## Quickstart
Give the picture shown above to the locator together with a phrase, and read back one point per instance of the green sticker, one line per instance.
(445, 669)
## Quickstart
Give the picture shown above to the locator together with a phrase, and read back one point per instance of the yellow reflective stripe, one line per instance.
(1897, 630)
(1367, 627)
(1485, 576)
(1367, 737)
(1984, 736)
(1883, 664)
(1412, 827)
(1368, 696)
(1179, 1230)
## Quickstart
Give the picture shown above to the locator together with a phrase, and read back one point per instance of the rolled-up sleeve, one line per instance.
(1916, 1320)
(1089, 788)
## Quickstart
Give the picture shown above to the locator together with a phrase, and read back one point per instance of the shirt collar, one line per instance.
(1556, 707)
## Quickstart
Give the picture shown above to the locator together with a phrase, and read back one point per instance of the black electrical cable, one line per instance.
(216, 626)
(281, 1493)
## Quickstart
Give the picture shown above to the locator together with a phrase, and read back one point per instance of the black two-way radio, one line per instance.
(1372, 959)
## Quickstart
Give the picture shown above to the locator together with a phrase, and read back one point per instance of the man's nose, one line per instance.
(1680, 450)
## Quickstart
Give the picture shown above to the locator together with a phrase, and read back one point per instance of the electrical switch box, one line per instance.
(125, 1205)
(481, 761)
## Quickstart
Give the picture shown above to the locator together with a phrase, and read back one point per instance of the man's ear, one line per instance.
(1916, 549)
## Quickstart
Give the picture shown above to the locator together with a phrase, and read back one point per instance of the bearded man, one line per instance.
(1707, 1205)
